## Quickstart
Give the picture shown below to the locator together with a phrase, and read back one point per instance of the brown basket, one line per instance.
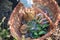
(16, 17)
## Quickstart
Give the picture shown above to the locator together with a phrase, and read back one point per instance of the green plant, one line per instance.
(4, 33)
(37, 29)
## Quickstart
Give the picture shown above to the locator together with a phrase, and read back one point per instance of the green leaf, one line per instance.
(35, 36)
(38, 26)
(42, 32)
(35, 33)
(45, 25)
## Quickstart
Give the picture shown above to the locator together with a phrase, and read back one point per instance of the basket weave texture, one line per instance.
(17, 15)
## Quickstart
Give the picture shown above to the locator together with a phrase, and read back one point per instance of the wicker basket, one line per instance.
(17, 15)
